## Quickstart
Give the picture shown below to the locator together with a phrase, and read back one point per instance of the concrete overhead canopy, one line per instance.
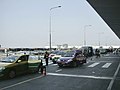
(109, 10)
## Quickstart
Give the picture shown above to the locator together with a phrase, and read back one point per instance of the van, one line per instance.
(87, 51)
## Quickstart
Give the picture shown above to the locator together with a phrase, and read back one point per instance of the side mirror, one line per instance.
(19, 61)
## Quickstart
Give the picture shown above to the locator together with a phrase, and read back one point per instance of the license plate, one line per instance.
(63, 63)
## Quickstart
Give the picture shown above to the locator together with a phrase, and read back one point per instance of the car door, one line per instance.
(22, 64)
(77, 56)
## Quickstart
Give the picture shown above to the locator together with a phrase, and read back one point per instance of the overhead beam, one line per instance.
(109, 10)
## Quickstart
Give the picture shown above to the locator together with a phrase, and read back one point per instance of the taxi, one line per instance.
(14, 65)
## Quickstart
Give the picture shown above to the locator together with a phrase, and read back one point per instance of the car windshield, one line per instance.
(62, 53)
(9, 59)
(33, 57)
(55, 52)
(69, 54)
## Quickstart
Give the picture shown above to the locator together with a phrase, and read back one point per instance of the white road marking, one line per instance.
(54, 64)
(103, 61)
(48, 63)
(113, 79)
(58, 70)
(13, 85)
(107, 55)
(106, 65)
(110, 57)
(93, 65)
(79, 76)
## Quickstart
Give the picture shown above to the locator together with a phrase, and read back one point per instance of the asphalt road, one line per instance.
(97, 74)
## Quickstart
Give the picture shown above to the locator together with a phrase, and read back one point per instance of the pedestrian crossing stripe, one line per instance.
(112, 57)
(106, 65)
(93, 65)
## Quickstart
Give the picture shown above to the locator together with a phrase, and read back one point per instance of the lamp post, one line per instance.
(50, 33)
(85, 33)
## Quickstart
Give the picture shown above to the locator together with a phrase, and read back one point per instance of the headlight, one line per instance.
(1, 69)
(69, 60)
(58, 60)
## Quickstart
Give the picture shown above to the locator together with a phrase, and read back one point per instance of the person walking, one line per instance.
(46, 57)
(97, 52)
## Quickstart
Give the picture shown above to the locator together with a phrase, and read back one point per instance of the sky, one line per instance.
(25, 23)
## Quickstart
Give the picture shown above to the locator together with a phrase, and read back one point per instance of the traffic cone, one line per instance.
(44, 71)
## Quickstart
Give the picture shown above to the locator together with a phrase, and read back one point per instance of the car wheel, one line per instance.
(12, 74)
(39, 70)
(54, 62)
(60, 65)
(74, 64)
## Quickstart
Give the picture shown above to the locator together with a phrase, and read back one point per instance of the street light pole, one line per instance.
(50, 33)
(85, 33)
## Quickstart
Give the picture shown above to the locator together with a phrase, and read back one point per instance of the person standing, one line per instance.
(97, 52)
(46, 57)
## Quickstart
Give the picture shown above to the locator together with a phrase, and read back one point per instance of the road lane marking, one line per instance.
(79, 76)
(107, 55)
(114, 77)
(54, 64)
(93, 65)
(103, 61)
(106, 65)
(48, 63)
(111, 57)
(58, 70)
(22, 82)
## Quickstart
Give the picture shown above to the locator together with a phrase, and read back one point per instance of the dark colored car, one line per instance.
(102, 51)
(14, 65)
(72, 58)
(87, 51)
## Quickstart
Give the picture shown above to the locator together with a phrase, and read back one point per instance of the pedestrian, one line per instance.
(46, 57)
(97, 52)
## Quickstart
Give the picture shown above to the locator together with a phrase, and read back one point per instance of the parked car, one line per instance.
(72, 58)
(57, 56)
(53, 53)
(14, 65)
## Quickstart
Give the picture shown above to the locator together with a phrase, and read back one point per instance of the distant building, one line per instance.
(59, 46)
(65, 46)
